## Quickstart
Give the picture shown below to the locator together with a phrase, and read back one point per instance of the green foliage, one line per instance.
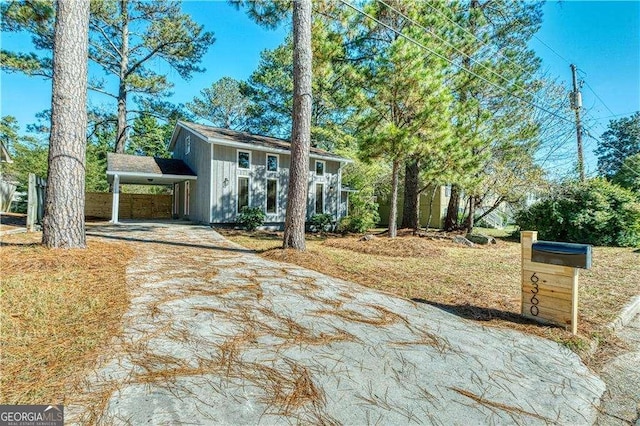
(250, 218)
(222, 104)
(363, 215)
(148, 138)
(595, 212)
(628, 175)
(158, 31)
(368, 180)
(321, 222)
(621, 140)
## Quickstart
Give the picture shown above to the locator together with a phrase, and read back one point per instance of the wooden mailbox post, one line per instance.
(550, 289)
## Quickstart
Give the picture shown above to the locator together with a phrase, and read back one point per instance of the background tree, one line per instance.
(126, 38)
(222, 105)
(628, 175)
(301, 128)
(148, 137)
(498, 73)
(621, 140)
(63, 221)
(404, 106)
(270, 87)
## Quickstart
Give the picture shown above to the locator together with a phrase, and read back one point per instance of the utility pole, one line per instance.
(576, 104)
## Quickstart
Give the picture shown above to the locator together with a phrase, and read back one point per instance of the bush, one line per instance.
(594, 212)
(251, 217)
(364, 214)
(321, 222)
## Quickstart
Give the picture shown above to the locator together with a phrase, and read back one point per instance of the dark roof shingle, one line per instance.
(250, 139)
(138, 164)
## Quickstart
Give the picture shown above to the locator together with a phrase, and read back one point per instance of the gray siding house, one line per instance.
(237, 169)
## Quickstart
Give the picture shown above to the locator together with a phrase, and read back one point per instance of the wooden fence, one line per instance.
(132, 206)
(35, 201)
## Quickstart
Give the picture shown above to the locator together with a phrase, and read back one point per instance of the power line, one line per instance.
(551, 49)
(410, 39)
(624, 154)
(598, 97)
(482, 43)
(612, 116)
(454, 47)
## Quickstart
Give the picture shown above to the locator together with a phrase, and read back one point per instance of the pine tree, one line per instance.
(404, 101)
(294, 226)
(63, 221)
(223, 105)
(126, 36)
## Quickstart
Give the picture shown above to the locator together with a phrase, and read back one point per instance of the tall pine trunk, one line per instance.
(63, 221)
(410, 211)
(393, 211)
(301, 128)
(469, 222)
(121, 135)
(451, 221)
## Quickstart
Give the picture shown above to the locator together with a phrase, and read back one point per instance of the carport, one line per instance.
(140, 170)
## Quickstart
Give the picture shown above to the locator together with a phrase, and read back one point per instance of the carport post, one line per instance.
(116, 199)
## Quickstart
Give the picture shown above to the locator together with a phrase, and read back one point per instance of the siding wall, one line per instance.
(440, 202)
(224, 197)
(199, 159)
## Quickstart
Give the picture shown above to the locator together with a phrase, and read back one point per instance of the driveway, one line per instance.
(218, 335)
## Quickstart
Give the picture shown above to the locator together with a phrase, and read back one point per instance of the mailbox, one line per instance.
(564, 254)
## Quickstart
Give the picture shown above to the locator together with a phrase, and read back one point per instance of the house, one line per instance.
(434, 203)
(216, 172)
(7, 185)
(432, 208)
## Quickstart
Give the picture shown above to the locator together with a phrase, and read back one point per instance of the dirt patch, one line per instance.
(409, 246)
(58, 309)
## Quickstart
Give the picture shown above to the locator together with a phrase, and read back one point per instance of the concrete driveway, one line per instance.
(218, 335)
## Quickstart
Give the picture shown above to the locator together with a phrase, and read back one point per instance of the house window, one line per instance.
(319, 198)
(272, 163)
(243, 192)
(320, 168)
(176, 199)
(187, 144)
(272, 196)
(244, 160)
(187, 195)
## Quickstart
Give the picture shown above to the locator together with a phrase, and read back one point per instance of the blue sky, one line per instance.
(601, 38)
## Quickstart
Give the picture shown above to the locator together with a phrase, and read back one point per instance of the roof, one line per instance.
(236, 138)
(146, 170)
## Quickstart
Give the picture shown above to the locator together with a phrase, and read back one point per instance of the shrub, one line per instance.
(251, 217)
(594, 212)
(364, 214)
(321, 222)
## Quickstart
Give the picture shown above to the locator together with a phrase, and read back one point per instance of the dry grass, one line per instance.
(58, 308)
(480, 283)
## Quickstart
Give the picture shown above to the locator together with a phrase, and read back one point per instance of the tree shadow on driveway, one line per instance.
(477, 313)
(172, 243)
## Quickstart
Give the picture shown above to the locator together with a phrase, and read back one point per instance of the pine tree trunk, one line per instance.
(410, 212)
(301, 127)
(63, 221)
(433, 195)
(121, 134)
(469, 222)
(451, 221)
(393, 211)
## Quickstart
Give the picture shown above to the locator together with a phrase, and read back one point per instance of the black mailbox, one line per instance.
(564, 254)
